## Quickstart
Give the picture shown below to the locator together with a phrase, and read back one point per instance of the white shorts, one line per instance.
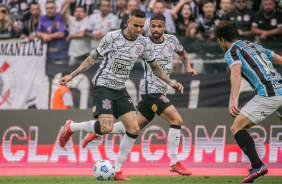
(259, 107)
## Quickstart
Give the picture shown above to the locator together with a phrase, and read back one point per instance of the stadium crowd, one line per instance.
(74, 28)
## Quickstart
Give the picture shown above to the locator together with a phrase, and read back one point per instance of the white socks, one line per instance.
(173, 142)
(124, 150)
(118, 128)
(87, 126)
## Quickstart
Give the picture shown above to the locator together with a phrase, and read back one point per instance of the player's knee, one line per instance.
(233, 129)
(177, 121)
(134, 130)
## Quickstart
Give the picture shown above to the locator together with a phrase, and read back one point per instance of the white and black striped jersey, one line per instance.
(163, 53)
(120, 54)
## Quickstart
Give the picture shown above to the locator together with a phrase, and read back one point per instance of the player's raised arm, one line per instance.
(184, 59)
(85, 65)
(158, 71)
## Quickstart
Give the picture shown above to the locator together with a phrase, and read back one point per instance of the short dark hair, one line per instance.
(207, 1)
(81, 7)
(158, 16)
(50, 2)
(138, 13)
(226, 30)
(34, 3)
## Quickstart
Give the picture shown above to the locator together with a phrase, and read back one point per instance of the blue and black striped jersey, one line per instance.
(256, 67)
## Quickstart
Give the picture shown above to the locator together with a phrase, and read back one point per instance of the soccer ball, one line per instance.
(104, 170)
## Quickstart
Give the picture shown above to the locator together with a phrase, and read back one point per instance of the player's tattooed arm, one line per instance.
(184, 59)
(158, 71)
(86, 64)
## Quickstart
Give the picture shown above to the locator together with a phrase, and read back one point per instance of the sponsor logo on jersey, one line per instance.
(154, 107)
(164, 98)
(106, 104)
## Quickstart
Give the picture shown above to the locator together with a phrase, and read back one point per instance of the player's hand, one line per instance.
(177, 86)
(233, 108)
(192, 71)
(64, 80)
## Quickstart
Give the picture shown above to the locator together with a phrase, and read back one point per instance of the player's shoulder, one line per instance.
(170, 37)
(115, 34)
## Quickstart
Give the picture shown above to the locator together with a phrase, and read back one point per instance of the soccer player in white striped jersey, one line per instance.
(120, 50)
(153, 90)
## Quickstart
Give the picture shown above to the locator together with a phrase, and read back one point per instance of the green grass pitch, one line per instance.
(135, 179)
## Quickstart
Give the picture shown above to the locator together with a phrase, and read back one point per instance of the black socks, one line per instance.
(247, 145)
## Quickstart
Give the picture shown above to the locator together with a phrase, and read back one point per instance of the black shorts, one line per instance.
(110, 101)
(151, 104)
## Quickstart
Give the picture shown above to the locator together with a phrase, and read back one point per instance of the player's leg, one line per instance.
(119, 127)
(132, 129)
(256, 110)
(102, 109)
(175, 120)
(279, 112)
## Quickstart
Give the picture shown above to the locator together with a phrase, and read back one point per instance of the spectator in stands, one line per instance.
(182, 16)
(243, 18)
(122, 9)
(30, 22)
(225, 7)
(101, 23)
(18, 9)
(62, 98)
(8, 28)
(131, 5)
(42, 3)
(78, 44)
(167, 8)
(91, 6)
(268, 22)
(51, 29)
(143, 5)
(159, 8)
(197, 8)
(205, 23)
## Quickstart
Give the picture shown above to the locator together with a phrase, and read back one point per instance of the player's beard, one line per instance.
(157, 35)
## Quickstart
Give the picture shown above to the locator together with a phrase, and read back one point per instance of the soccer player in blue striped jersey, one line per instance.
(254, 63)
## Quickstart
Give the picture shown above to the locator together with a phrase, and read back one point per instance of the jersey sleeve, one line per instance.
(148, 54)
(255, 21)
(269, 54)
(105, 45)
(232, 57)
(178, 47)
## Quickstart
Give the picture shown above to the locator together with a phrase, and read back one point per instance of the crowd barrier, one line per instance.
(30, 147)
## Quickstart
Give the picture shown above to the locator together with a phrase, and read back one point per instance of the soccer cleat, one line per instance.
(119, 176)
(255, 173)
(179, 169)
(65, 134)
(89, 137)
